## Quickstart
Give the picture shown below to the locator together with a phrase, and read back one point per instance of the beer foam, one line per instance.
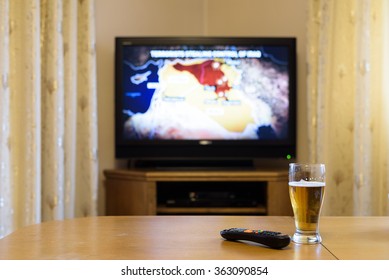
(303, 183)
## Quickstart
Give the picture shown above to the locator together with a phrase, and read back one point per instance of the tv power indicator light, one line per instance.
(288, 156)
(205, 142)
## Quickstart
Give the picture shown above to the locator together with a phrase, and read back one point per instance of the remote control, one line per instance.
(272, 239)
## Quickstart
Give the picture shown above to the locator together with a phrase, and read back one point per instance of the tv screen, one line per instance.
(205, 97)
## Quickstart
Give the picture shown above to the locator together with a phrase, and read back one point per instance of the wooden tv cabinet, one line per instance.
(135, 191)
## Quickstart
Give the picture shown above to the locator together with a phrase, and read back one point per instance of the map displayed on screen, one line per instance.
(211, 93)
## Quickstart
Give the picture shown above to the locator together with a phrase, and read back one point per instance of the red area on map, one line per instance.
(207, 73)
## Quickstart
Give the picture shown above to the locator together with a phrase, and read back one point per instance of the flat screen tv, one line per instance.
(205, 98)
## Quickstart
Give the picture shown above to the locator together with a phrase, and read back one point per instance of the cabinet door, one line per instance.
(278, 202)
(125, 197)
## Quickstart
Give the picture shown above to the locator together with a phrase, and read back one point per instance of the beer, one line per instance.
(306, 198)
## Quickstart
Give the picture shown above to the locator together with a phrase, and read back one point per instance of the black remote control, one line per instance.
(272, 239)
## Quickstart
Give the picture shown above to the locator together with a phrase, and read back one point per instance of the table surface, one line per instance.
(191, 237)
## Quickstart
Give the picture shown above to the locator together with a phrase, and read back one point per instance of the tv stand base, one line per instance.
(144, 191)
(198, 164)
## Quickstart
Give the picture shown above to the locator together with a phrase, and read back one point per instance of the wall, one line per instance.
(189, 18)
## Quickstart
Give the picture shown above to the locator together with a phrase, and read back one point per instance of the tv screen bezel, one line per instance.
(212, 149)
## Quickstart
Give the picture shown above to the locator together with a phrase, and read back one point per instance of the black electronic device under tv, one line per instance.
(205, 98)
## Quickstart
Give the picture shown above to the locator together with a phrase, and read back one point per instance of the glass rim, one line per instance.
(306, 164)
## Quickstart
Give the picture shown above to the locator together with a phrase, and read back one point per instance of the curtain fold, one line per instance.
(347, 115)
(6, 203)
(48, 111)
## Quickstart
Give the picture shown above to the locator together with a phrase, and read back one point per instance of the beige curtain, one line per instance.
(348, 102)
(48, 114)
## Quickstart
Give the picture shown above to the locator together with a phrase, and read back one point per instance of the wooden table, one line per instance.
(191, 237)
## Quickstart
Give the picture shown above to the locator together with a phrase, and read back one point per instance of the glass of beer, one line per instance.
(306, 191)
